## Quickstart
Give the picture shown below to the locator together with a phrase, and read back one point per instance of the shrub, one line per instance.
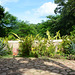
(72, 38)
(71, 57)
(39, 49)
(2, 47)
(67, 45)
(36, 46)
(57, 56)
(44, 48)
(11, 37)
(9, 49)
(25, 46)
(50, 50)
(60, 49)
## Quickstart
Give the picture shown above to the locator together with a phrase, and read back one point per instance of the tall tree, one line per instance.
(2, 30)
(23, 29)
(1, 12)
(7, 23)
(66, 8)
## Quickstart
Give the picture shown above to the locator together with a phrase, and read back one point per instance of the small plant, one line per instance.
(11, 37)
(72, 38)
(25, 46)
(57, 56)
(67, 45)
(57, 35)
(48, 34)
(9, 49)
(2, 47)
(60, 49)
(45, 47)
(50, 50)
(39, 49)
(71, 57)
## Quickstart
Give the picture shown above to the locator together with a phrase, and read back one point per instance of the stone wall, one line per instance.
(15, 44)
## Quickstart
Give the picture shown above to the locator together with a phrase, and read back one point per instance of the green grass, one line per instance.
(7, 56)
(11, 56)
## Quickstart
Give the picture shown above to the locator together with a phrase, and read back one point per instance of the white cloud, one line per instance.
(28, 12)
(39, 14)
(46, 9)
(6, 9)
(2, 2)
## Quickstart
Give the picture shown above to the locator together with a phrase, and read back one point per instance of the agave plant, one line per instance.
(2, 47)
(57, 35)
(48, 34)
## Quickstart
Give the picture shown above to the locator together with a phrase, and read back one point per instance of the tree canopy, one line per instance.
(1, 12)
(63, 21)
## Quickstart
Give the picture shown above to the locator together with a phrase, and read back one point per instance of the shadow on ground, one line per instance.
(19, 66)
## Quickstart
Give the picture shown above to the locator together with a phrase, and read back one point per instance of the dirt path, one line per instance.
(36, 66)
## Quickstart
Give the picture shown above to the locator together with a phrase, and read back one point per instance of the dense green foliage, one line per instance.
(2, 30)
(63, 24)
(4, 47)
(67, 45)
(7, 24)
(25, 46)
(38, 46)
(23, 29)
(1, 12)
(66, 8)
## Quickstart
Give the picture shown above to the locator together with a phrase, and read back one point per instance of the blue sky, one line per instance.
(33, 11)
